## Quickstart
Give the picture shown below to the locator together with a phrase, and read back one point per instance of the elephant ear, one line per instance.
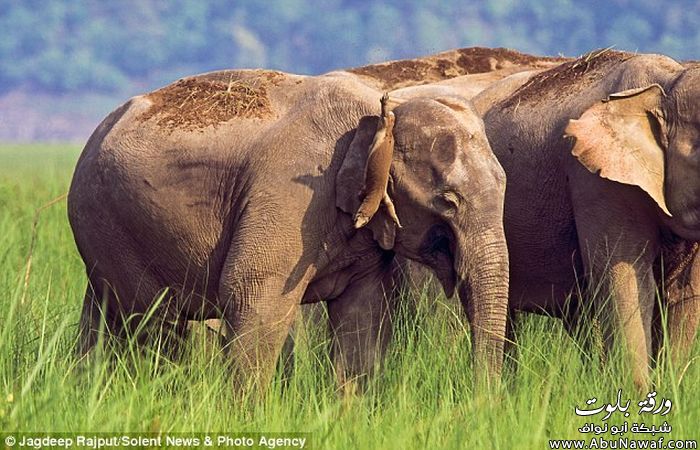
(621, 139)
(350, 181)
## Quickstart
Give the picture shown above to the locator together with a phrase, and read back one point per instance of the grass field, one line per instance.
(422, 399)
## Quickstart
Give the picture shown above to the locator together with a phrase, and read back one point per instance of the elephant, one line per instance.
(463, 72)
(600, 159)
(234, 195)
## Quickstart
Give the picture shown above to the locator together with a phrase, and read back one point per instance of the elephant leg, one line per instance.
(94, 326)
(270, 262)
(260, 289)
(116, 306)
(151, 319)
(101, 319)
(624, 308)
(683, 312)
(625, 304)
(683, 319)
(618, 251)
(260, 321)
(360, 325)
(167, 331)
(101, 322)
(633, 292)
(583, 325)
(287, 353)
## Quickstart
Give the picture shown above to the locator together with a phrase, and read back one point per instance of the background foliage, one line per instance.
(61, 46)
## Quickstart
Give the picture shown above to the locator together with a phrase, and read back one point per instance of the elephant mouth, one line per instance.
(690, 220)
(685, 224)
(437, 251)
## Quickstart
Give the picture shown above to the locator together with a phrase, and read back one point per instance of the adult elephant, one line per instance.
(246, 193)
(602, 166)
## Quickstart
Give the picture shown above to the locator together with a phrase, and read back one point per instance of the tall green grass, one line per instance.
(421, 399)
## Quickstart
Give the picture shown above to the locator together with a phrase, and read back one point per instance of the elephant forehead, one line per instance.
(444, 148)
(415, 130)
(457, 173)
(686, 96)
(476, 167)
(430, 146)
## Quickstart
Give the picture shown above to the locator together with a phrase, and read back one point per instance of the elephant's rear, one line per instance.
(106, 245)
(130, 212)
(89, 211)
(155, 192)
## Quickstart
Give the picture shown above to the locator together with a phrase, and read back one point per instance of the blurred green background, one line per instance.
(64, 64)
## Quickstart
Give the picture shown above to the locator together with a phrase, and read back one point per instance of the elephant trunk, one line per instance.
(481, 263)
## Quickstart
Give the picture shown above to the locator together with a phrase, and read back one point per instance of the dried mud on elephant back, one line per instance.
(450, 64)
(199, 102)
(568, 78)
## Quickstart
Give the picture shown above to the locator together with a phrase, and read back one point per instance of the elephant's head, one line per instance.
(650, 138)
(448, 191)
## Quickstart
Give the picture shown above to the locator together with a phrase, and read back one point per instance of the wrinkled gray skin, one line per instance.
(491, 72)
(249, 218)
(605, 203)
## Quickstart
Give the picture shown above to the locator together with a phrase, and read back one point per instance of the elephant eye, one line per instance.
(447, 202)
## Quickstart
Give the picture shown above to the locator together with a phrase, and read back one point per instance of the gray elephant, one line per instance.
(601, 160)
(490, 73)
(462, 72)
(238, 192)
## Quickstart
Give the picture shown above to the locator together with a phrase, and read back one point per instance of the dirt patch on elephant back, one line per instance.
(208, 100)
(581, 72)
(480, 60)
(396, 74)
(451, 64)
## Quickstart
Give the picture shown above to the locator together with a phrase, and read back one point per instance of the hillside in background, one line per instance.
(65, 64)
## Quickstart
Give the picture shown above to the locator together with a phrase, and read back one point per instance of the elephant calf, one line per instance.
(235, 195)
